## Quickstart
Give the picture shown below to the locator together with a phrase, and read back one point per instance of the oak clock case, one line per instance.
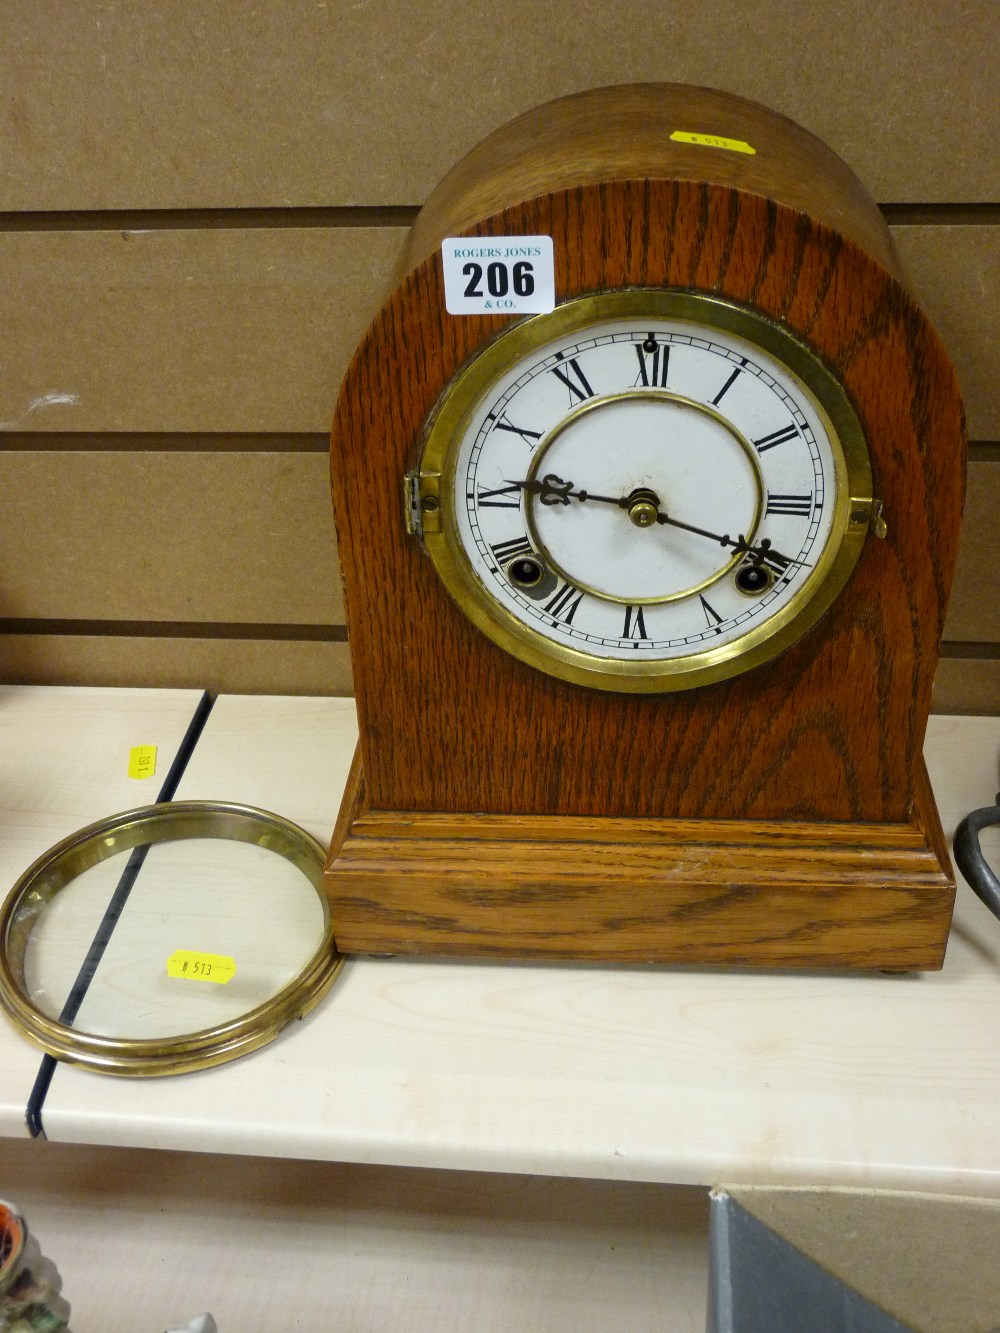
(681, 719)
(716, 509)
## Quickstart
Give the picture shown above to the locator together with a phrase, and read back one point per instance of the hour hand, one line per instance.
(552, 490)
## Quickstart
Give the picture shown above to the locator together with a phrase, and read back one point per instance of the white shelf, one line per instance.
(518, 1075)
(63, 764)
(670, 1075)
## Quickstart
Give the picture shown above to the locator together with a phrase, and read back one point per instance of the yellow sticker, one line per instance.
(142, 761)
(193, 966)
(713, 141)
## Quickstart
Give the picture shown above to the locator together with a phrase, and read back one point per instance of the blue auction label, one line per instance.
(498, 275)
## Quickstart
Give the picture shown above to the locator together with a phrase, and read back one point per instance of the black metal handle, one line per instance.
(969, 856)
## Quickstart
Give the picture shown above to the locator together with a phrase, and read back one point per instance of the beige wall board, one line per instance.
(222, 666)
(182, 105)
(956, 274)
(235, 538)
(268, 666)
(967, 684)
(974, 608)
(223, 537)
(222, 330)
(184, 330)
(249, 538)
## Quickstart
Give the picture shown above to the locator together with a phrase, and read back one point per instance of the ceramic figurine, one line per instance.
(29, 1283)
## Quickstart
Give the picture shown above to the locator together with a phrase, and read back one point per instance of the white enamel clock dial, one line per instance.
(647, 501)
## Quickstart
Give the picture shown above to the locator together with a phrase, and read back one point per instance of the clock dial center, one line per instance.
(650, 460)
(643, 507)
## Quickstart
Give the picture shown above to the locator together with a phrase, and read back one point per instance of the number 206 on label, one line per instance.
(498, 275)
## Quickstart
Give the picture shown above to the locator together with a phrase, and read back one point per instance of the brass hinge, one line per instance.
(422, 502)
(868, 514)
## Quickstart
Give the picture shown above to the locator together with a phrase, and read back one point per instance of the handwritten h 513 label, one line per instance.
(190, 965)
(498, 275)
(142, 761)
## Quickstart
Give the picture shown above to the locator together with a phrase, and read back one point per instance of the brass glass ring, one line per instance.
(168, 823)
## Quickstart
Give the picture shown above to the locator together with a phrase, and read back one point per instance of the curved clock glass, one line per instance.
(644, 490)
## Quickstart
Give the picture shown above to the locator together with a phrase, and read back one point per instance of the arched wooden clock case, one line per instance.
(781, 817)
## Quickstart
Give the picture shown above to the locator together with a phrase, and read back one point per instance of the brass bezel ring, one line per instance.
(168, 822)
(854, 484)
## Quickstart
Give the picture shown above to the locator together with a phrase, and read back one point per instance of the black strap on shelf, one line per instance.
(115, 907)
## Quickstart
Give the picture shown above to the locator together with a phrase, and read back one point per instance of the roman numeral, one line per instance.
(712, 617)
(575, 380)
(727, 386)
(652, 364)
(504, 497)
(510, 550)
(635, 626)
(776, 437)
(563, 603)
(530, 437)
(789, 504)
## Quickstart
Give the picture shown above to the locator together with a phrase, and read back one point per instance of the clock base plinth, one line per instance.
(736, 892)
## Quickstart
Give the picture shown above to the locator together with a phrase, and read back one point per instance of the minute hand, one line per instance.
(761, 554)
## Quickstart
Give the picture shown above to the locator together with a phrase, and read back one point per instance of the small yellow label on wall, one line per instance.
(193, 966)
(713, 141)
(142, 761)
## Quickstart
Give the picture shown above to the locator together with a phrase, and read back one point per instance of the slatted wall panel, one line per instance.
(199, 209)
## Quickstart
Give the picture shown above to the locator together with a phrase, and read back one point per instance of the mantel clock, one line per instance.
(647, 480)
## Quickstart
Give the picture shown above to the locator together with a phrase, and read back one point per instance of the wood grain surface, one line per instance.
(625, 133)
(739, 892)
(832, 730)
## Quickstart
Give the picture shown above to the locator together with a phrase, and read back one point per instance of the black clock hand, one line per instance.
(552, 490)
(761, 554)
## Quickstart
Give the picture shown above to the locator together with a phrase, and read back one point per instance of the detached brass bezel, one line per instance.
(854, 504)
(169, 822)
